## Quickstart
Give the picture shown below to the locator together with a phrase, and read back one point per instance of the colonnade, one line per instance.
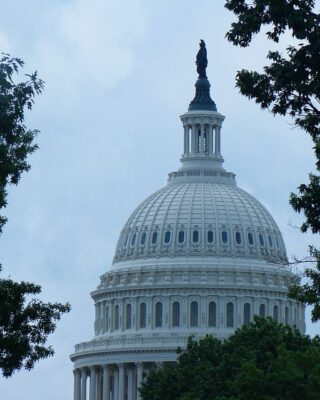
(109, 381)
(205, 139)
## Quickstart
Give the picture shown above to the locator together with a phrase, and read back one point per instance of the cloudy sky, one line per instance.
(118, 74)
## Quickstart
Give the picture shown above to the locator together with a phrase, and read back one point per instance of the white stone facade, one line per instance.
(198, 257)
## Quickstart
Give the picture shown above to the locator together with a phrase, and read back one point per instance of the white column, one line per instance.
(93, 383)
(193, 139)
(186, 140)
(99, 385)
(217, 150)
(116, 385)
(121, 382)
(139, 378)
(106, 383)
(130, 383)
(210, 139)
(201, 144)
(83, 384)
(77, 384)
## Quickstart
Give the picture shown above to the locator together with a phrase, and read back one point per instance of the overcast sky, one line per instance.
(118, 74)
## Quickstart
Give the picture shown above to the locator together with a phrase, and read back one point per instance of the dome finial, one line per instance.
(202, 99)
(202, 61)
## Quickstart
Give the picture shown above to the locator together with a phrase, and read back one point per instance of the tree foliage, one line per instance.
(24, 323)
(288, 85)
(263, 360)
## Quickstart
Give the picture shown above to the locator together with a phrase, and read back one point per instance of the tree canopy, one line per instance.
(25, 321)
(289, 85)
(263, 360)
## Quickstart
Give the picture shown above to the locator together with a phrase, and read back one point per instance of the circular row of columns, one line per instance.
(109, 382)
(204, 128)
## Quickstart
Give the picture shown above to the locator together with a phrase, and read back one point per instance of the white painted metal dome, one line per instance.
(199, 218)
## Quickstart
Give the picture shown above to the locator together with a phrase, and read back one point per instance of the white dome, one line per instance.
(200, 219)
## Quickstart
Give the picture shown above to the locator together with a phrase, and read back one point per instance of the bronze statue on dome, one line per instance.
(202, 60)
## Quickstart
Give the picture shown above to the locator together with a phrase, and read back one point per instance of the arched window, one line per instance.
(194, 314)
(210, 237)
(116, 317)
(270, 241)
(246, 314)
(176, 314)
(250, 238)
(224, 236)
(261, 240)
(262, 310)
(181, 236)
(276, 313)
(277, 242)
(143, 238)
(158, 315)
(212, 315)
(133, 239)
(286, 315)
(143, 315)
(230, 315)
(238, 238)
(154, 237)
(167, 237)
(195, 236)
(128, 316)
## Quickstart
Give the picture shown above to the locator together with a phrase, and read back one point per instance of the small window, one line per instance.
(277, 242)
(167, 237)
(154, 237)
(212, 320)
(176, 314)
(286, 315)
(230, 315)
(107, 319)
(270, 241)
(246, 314)
(128, 316)
(143, 315)
(133, 239)
(194, 314)
(262, 310)
(181, 236)
(158, 321)
(261, 240)
(116, 317)
(143, 238)
(195, 236)
(250, 238)
(224, 236)
(238, 238)
(276, 313)
(210, 237)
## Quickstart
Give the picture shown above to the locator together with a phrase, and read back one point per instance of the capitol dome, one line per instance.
(197, 218)
(200, 256)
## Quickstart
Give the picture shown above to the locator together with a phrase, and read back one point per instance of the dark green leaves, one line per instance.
(289, 85)
(25, 322)
(24, 327)
(263, 360)
(16, 141)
